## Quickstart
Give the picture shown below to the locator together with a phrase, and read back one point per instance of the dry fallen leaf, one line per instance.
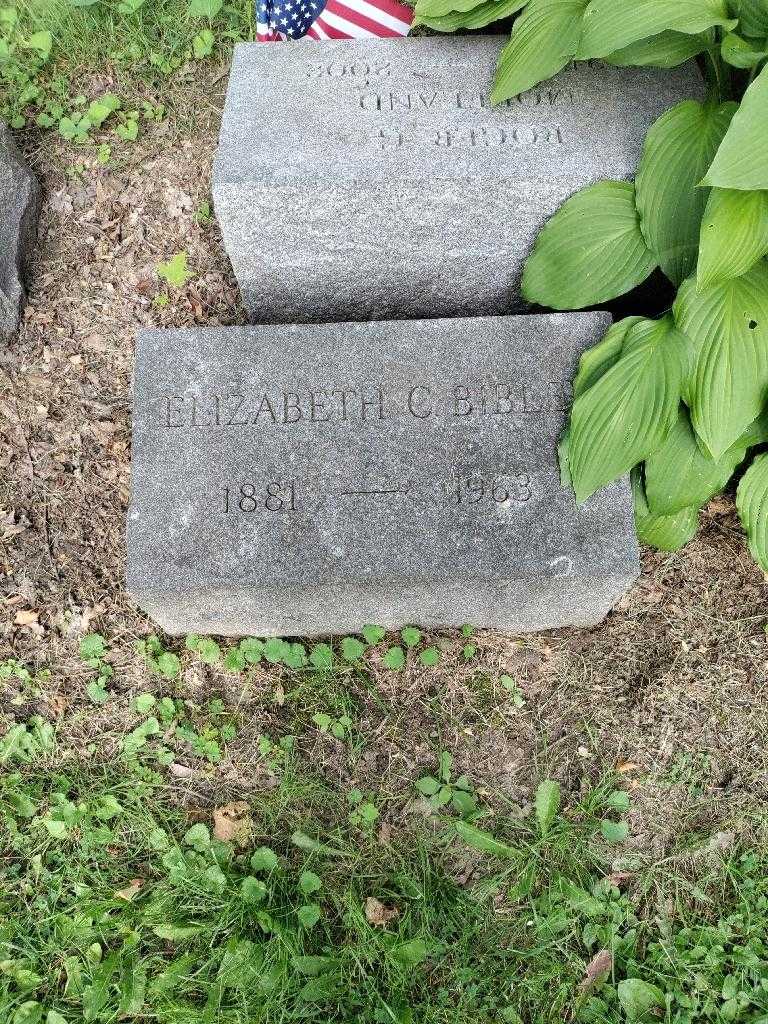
(130, 891)
(377, 913)
(77, 621)
(58, 704)
(232, 823)
(597, 970)
(626, 766)
(618, 878)
(384, 835)
(720, 506)
(26, 618)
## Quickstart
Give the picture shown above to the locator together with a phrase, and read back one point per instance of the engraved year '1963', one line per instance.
(500, 490)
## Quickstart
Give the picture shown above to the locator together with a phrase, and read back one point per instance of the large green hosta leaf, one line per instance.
(734, 235)
(666, 50)
(728, 329)
(601, 357)
(544, 39)
(752, 503)
(610, 25)
(756, 432)
(629, 411)
(679, 474)
(678, 149)
(753, 18)
(593, 364)
(480, 15)
(590, 251)
(666, 532)
(742, 53)
(742, 159)
(440, 8)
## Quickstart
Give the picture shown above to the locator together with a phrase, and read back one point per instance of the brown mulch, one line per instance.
(671, 688)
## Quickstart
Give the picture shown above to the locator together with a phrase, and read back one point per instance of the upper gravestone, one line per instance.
(309, 479)
(19, 204)
(369, 179)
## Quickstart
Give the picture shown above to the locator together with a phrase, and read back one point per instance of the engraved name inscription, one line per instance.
(366, 403)
(482, 137)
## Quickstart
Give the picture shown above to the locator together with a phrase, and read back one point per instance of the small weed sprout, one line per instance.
(364, 813)
(443, 790)
(340, 727)
(159, 661)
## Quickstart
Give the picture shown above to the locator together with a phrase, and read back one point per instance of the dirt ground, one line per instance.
(671, 688)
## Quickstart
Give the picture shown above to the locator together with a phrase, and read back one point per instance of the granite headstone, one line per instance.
(308, 479)
(19, 205)
(366, 179)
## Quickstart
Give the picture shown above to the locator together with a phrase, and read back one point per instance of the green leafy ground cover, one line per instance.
(118, 901)
(116, 905)
(81, 67)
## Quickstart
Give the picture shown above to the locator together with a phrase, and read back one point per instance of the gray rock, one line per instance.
(369, 179)
(308, 479)
(19, 207)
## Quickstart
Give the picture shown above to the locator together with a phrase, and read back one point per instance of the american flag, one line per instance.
(331, 19)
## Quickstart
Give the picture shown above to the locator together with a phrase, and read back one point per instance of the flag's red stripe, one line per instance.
(330, 31)
(356, 18)
(394, 9)
(312, 34)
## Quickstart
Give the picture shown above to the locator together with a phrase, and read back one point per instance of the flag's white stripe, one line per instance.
(351, 29)
(319, 29)
(376, 14)
(262, 28)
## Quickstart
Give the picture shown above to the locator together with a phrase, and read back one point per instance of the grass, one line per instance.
(58, 57)
(117, 903)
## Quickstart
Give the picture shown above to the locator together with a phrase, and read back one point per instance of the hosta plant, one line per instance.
(681, 401)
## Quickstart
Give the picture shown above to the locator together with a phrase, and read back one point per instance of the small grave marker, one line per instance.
(309, 479)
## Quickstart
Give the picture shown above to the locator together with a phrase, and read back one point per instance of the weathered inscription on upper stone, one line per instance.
(480, 136)
(452, 100)
(406, 466)
(376, 180)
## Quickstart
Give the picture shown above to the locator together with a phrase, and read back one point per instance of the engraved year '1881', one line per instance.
(278, 496)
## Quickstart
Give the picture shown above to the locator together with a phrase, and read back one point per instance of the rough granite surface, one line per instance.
(308, 479)
(372, 179)
(19, 207)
